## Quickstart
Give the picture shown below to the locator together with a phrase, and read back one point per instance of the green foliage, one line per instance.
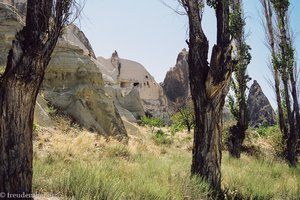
(237, 100)
(145, 177)
(212, 3)
(161, 138)
(184, 118)
(176, 126)
(2, 69)
(51, 110)
(249, 178)
(281, 5)
(151, 122)
(35, 127)
(272, 133)
(236, 23)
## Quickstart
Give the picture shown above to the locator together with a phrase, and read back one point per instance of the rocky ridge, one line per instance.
(260, 109)
(73, 82)
(176, 83)
(128, 77)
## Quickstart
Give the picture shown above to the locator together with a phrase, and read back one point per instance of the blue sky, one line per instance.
(148, 32)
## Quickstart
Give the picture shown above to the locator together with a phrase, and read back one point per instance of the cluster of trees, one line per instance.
(283, 65)
(209, 82)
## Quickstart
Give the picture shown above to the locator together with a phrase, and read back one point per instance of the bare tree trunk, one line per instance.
(209, 87)
(19, 86)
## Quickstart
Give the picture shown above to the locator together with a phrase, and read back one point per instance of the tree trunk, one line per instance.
(235, 141)
(19, 86)
(209, 87)
(271, 40)
(286, 77)
(237, 132)
(17, 101)
(207, 149)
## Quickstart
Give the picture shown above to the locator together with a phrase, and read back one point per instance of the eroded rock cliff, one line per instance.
(176, 83)
(260, 109)
(73, 82)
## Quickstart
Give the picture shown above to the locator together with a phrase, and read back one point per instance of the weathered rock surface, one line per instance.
(176, 83)
(260, 109)
(41, 116)
(10, 23)
(72, 82)
(75, 36)
(20, 5)
(132, 78)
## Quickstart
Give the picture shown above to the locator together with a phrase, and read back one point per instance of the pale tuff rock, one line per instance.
(41, 116)
(20, 5)
(128, 76)
(73, 83)
(10, 23)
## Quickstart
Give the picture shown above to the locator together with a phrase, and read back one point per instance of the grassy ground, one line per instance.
(75, 164)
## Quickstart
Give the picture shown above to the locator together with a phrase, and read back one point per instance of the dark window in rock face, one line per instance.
(146, 76)
(125, 84)
(136, 84)
(148, 84)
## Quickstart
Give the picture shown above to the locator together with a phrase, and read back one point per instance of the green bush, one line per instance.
(183, 119)
(2, 69)
(176, 126)
(161, 138)
(151, 122)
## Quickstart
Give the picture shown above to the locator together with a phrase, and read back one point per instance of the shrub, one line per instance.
(118, 151)
(161, 138)
(151, 122)
(2, 69)
(183, 119)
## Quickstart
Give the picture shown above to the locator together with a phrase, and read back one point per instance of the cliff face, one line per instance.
(73, 82)
(20, 5)
(176, 83)
(260, 109)
(10, 23)
(125, 76)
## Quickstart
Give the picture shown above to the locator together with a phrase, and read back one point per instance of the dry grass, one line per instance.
(76, 164)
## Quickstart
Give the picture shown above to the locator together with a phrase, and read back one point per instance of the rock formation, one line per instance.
(20, 5)
(176, 83)
(10, 23)
(131, 79)
(73, 82)
(260, 109)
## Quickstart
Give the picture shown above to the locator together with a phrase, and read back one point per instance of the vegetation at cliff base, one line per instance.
(76, 164)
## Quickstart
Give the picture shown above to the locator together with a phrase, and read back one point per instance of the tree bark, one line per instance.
(19, 86)
(271, 40)
(209, 87)
(292, 136)
(237, 132)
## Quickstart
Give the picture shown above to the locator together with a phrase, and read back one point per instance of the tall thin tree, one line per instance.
(209, 84)
(238, 102)
(19, 85)
(283, 66)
